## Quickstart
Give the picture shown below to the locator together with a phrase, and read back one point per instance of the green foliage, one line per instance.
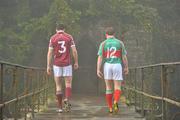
(13, 46)
(22, 29)
(125, 12)
(120, 13)
(19, 40)
(60, 12)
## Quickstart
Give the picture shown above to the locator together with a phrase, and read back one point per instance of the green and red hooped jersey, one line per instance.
(112, 50)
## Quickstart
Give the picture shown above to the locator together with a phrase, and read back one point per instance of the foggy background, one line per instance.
(150, 30)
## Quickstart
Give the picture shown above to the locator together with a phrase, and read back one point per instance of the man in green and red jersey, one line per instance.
(113, 53)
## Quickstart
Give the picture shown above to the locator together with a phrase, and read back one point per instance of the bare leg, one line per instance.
(117, 84)
(59, 94)
(108, 84)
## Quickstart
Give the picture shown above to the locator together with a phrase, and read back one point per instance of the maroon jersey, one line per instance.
(61, 44)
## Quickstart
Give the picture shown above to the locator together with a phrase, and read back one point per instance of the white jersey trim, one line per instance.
(72, 45)
(51, 48)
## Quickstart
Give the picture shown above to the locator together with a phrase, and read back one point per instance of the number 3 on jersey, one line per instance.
(63, 47)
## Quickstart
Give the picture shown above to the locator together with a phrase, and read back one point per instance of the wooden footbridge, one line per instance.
(150, 92)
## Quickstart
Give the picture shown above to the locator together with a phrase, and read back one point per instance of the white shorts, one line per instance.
(113, 71)
(62, 71)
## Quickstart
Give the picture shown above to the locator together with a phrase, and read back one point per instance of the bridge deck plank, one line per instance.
(88, 107)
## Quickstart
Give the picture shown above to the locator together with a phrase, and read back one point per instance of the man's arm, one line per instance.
(75, 56)
(99, 63)
(49, 59)
(125, 64)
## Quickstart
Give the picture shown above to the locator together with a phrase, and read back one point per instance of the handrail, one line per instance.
(156, 65)
(21, 66)
(28, 86)
(21, 97)
(155, 97)
(163, 72)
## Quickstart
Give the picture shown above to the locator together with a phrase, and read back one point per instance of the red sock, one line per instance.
(68, 93)
(109, 97)
(59, 99)
(117, 94)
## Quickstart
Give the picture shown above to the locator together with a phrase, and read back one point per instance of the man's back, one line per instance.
(112, 50)
(61, 43)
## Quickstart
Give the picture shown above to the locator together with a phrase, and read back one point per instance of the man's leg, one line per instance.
(67, 73)
(59, 94)
(68, 92)
(117, 78)
(117, 90)
(109, 94)
(68, 85)
(117, 94)
(108, 81)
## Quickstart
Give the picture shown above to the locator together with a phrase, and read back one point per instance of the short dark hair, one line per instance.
(60, 26)
(110, 31)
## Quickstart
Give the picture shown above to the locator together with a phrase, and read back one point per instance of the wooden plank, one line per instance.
(89, 107)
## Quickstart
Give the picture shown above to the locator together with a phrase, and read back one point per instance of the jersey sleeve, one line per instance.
(100, 50)
(50, 44)
(72, 43)
(124, 52)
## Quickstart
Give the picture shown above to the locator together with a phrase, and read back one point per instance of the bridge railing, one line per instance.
(22, 90)
(154, 90)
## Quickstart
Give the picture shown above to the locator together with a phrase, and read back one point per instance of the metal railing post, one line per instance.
(45, 91)
(142, 89)
(163, 91)
(16, 92)
(33, 96)
(129, 85)
(25, 91)
(135, 84)
(39, 94)
(1, 92)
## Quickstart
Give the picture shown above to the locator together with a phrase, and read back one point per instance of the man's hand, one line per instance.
(49, 70)
(99, 74)
(76, 66)
(126, 70)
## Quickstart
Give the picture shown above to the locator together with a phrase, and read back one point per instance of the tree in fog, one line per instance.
(26, 25)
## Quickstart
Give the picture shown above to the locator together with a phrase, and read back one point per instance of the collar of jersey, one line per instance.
(110, 38)
(60, 32)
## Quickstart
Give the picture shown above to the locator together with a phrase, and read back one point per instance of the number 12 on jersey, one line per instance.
(111, 52)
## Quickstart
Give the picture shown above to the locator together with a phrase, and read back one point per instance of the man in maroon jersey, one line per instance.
(60, 46)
